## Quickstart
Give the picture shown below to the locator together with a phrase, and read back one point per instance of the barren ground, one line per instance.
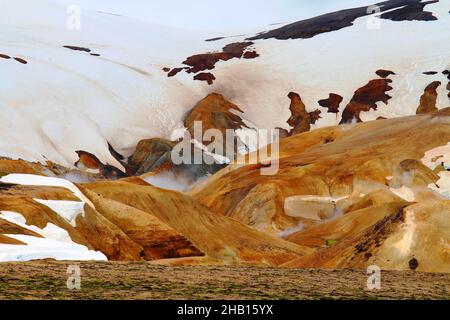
(140, 280)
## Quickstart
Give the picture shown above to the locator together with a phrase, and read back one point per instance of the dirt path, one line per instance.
(115, 280)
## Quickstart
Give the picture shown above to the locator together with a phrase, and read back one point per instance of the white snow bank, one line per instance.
(56, 243)
(43, 248)
(69, 210)
(36, 180)
(443, 184)
(436, 156)
(433, 158)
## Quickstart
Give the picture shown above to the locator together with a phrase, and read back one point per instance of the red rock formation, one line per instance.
(250, 55)
(300, 119)
(149, 155)
(89, 161)
(207, 61)
(174, 72)
(331, 103)
(205, 76)
(366, 98)
(428, 98)
(214, 112)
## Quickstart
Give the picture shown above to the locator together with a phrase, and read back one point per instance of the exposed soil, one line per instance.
(131, 280)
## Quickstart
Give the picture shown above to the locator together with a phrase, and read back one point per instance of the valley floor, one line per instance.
(142, 280)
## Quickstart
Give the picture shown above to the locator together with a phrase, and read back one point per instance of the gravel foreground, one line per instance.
(142, 280)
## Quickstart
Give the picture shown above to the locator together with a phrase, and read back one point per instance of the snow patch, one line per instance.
(435, 157)
(69, 210)
(56, 243)
(36, 180)
(43, 248)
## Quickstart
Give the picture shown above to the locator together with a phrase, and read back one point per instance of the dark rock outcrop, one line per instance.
(405, 10)
(207, 61)
(149, 155)
(88, 160)
(428, 98)
(366, 98)
(383, 73)
(76, 48)
(331, 103)
(205, 76)
(300, 119)
(411, 12)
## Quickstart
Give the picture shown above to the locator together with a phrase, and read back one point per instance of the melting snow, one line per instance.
(56, 243)
(69, 210)
(43, 248)
(36, 180)
(432, 159)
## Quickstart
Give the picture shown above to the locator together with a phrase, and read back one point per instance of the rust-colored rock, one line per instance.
(207, 61)
(250, 55)
(174, 72)
(149, 155)
(219, 237)
(205, 76)
(214, 112)
(429, 98)
(338, 162)
(300, 119)
(366, 98)
(331, 103)
(158, 240)
(90, 161)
